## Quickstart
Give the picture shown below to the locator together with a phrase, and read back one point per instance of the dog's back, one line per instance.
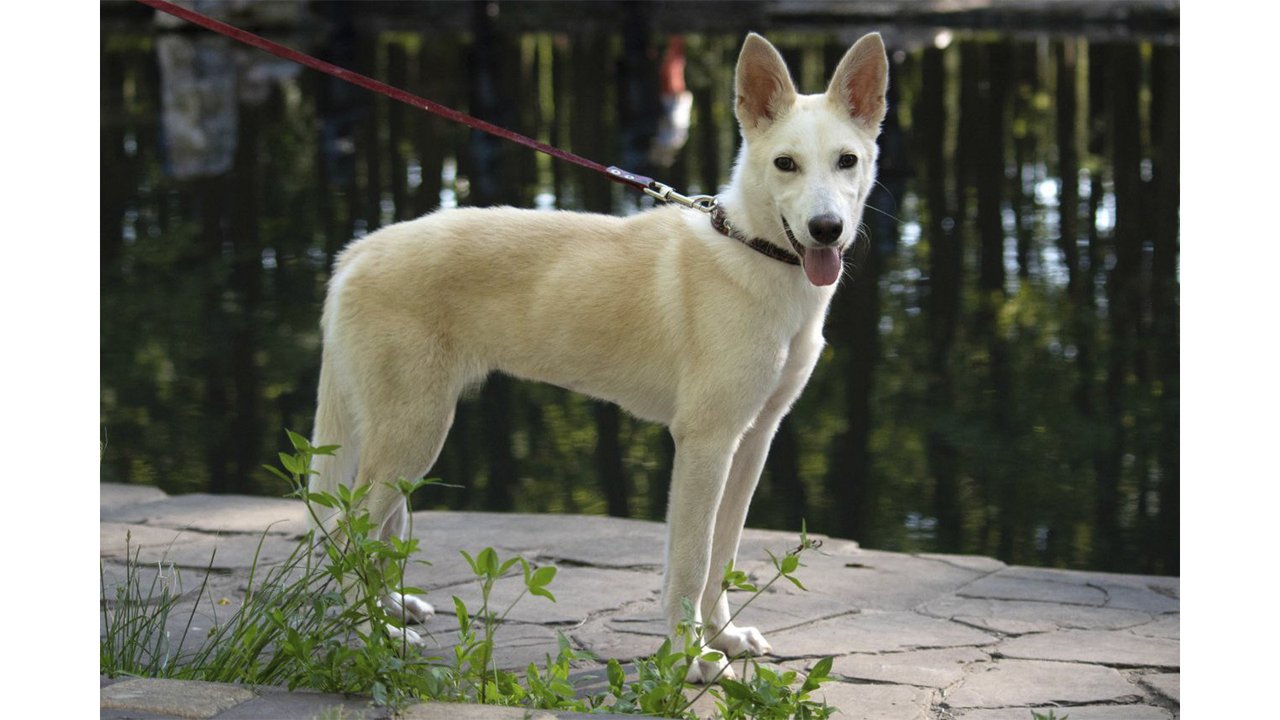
(577, 300)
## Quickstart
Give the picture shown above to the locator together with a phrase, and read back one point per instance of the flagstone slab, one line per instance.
(876, 702)
(1120, 648)
(926, 668)
(216, 514)
(1147, 593)
(976, 563)
(515, 644)
(580, 592)
(599, 637)
(1167, 685)
(1007, 585)
(1018, 617)
(1006, 683)
(1074, 712)
(192, 549)
(439, 566)
(575, 539)
(112, 496)
(280, 704)
(871, 631)
(174, 697)
(770, 613)
(532, 531)
(120, 540)
(1168, 584)
(875, 579)
(1165, 626)
(1152, 599)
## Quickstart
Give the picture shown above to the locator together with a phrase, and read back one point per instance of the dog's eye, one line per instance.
(784, 163)
(848, 160)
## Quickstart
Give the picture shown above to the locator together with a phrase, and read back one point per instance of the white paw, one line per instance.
(408, 635)
(735, 641)
(412, 608)
(705, 671)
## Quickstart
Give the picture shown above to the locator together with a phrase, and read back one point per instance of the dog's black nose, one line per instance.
(825, 229)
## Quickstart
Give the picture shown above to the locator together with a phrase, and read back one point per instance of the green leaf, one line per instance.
(617, 677)
(817, 676)
(464, 618)
(487, 560)
(405, 487)
(789, 564)
(823, 668)
(543, 576)
(291, 463)
(796, 582)
(507, 565)
(322, 499)
(475, 569)
(299, 443)
(542, 592)
(276, 471)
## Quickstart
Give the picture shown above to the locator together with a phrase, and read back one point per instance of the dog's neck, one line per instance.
(721, 222)
(752, 217)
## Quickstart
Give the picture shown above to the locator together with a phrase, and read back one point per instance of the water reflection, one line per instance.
(1002, 378)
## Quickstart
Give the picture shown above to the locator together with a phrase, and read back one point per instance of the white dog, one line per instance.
(708, 325)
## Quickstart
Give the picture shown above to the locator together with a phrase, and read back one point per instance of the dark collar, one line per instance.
(720, 222)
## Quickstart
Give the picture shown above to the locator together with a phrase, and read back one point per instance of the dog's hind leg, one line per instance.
(409, 608)
(391, 450)
(407, 401)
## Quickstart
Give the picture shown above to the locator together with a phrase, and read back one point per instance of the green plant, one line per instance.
(660, 686)
(321, 624)
(769, 695)
(1040, 716)
(302, 623)
(360, 653)
(473, 655)
(135, 638)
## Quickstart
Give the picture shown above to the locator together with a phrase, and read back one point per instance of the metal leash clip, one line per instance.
(666, 193)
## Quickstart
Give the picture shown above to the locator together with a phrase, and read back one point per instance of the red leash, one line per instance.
(650, 186)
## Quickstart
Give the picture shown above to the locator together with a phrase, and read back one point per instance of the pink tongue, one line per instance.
(822, 265)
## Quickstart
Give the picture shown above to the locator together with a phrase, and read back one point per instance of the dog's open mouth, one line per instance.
(821, 265)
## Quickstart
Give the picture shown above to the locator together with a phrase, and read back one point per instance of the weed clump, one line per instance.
(317, 620)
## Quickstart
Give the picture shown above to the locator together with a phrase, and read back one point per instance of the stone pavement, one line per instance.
(914, 637)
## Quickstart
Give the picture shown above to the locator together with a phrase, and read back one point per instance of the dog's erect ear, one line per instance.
(860, 81)
(762, 84)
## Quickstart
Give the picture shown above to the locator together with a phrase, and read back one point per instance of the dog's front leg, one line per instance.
(697, 482)
(744, 474)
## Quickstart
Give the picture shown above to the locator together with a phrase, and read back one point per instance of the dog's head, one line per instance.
(810, 159)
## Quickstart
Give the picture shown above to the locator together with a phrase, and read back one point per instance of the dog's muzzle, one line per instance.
(821, 264)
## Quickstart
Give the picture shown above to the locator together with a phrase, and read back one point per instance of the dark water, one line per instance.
(1001, 379)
